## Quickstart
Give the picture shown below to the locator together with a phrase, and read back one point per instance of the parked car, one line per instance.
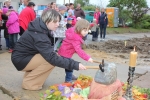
(89, 15)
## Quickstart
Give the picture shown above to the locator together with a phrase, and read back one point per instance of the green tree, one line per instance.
(89, 7)
(145, 23)
(137, 9)
(82, 2)
(123, 13)
(134, 9)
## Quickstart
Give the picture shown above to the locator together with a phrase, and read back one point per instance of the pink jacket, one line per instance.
(72, 44)
(13, 23)
(74, 20)
(96, 16)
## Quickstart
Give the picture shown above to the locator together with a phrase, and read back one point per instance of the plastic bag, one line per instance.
(109, 75)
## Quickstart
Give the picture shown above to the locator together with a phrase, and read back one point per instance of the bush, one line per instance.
(145, 23)
(89, 7)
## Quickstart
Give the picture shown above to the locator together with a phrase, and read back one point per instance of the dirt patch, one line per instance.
(113, 46)
(119, 51)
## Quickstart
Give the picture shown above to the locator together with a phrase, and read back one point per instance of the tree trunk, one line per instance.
(123, 23)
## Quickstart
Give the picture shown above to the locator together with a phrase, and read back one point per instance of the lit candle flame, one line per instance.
(134, 48)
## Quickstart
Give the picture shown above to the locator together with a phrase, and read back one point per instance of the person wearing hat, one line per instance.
(71, 15)
(7, 5)
(12, 25)
(60, 32)
(69, 23)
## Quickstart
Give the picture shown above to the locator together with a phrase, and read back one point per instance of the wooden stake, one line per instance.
(92, 67)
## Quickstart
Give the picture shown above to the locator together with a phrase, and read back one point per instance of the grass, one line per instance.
(121, 30)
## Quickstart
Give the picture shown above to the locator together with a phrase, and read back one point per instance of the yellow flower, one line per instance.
(53, 87)
(57, 93)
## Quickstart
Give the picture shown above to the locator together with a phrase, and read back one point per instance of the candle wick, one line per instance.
(134, 48)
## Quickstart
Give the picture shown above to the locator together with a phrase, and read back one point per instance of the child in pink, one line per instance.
(13, 28)
(97, 15)
(72, 44)
(70, 15)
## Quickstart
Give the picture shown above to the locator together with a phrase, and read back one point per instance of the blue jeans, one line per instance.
(68, 75)
(12, 40)
(7, 42)
(84, 38)
(102, 30)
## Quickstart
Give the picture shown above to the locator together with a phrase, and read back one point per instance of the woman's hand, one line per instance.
(81, 67)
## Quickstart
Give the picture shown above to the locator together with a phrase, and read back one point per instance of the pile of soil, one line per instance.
(113, 46)
(116, 51)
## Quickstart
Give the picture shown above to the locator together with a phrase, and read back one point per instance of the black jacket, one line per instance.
(4, 18)
(68, 25)
(36, 40)
(79, 13)
(103, 18)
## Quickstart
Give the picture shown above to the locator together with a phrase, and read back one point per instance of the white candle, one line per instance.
(133, 58)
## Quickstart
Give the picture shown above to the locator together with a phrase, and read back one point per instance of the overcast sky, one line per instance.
(105, 2)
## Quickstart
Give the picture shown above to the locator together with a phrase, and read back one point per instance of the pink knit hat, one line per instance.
(4, 9)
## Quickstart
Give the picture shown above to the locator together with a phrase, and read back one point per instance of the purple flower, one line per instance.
(51, 91)
(61, 88)
(45, 95)
(66, 95)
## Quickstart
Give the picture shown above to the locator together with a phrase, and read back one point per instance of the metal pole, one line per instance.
(128, 94)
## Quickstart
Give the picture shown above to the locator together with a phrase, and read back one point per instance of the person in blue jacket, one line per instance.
(23, 5)
(103, 22)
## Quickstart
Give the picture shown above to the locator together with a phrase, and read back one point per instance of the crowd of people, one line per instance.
(36, 52)
(14, 22)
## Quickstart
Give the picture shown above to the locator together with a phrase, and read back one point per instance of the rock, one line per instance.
(122, 56)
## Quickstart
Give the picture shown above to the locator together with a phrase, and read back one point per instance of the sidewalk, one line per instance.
(126, 36)
(11, 79)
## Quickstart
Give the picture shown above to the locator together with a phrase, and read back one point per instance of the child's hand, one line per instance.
(81, 67)
(90, 60)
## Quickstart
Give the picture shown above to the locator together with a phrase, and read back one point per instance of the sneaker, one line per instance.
(74, 77)
(10, 51)
(56, 51)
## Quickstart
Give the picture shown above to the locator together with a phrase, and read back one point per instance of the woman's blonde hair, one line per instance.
(49, 15)
(81, 24)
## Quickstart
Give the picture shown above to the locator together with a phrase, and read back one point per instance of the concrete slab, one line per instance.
(143, 81)
(4, 96)
(11, 79)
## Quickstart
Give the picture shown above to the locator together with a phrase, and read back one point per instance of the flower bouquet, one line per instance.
(78, 90)
(138, 92)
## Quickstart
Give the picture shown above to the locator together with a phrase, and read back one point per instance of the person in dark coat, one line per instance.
(34, 53)
(103, 22)
(79, 12)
